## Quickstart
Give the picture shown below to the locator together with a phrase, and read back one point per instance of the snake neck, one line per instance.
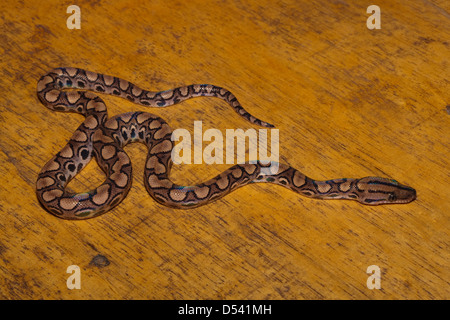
(296, 181)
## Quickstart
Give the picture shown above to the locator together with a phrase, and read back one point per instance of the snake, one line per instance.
(71, 89)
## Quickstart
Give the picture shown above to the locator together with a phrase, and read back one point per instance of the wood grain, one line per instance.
(348, 101)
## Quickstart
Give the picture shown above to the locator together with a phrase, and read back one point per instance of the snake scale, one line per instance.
(104, 139)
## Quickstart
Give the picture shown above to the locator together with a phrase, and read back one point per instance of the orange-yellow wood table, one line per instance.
(348, 101)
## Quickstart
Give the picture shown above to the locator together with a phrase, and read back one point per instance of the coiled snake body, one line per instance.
(105, 138)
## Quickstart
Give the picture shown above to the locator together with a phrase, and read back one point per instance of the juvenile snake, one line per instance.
(104, 139)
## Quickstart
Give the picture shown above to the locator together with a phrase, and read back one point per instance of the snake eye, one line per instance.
(392, 197)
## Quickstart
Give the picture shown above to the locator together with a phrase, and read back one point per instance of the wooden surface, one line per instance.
(348, 101)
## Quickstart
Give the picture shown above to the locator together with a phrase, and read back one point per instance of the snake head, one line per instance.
(375, 190)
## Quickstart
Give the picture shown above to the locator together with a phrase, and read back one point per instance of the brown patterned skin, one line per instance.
(103, 139)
